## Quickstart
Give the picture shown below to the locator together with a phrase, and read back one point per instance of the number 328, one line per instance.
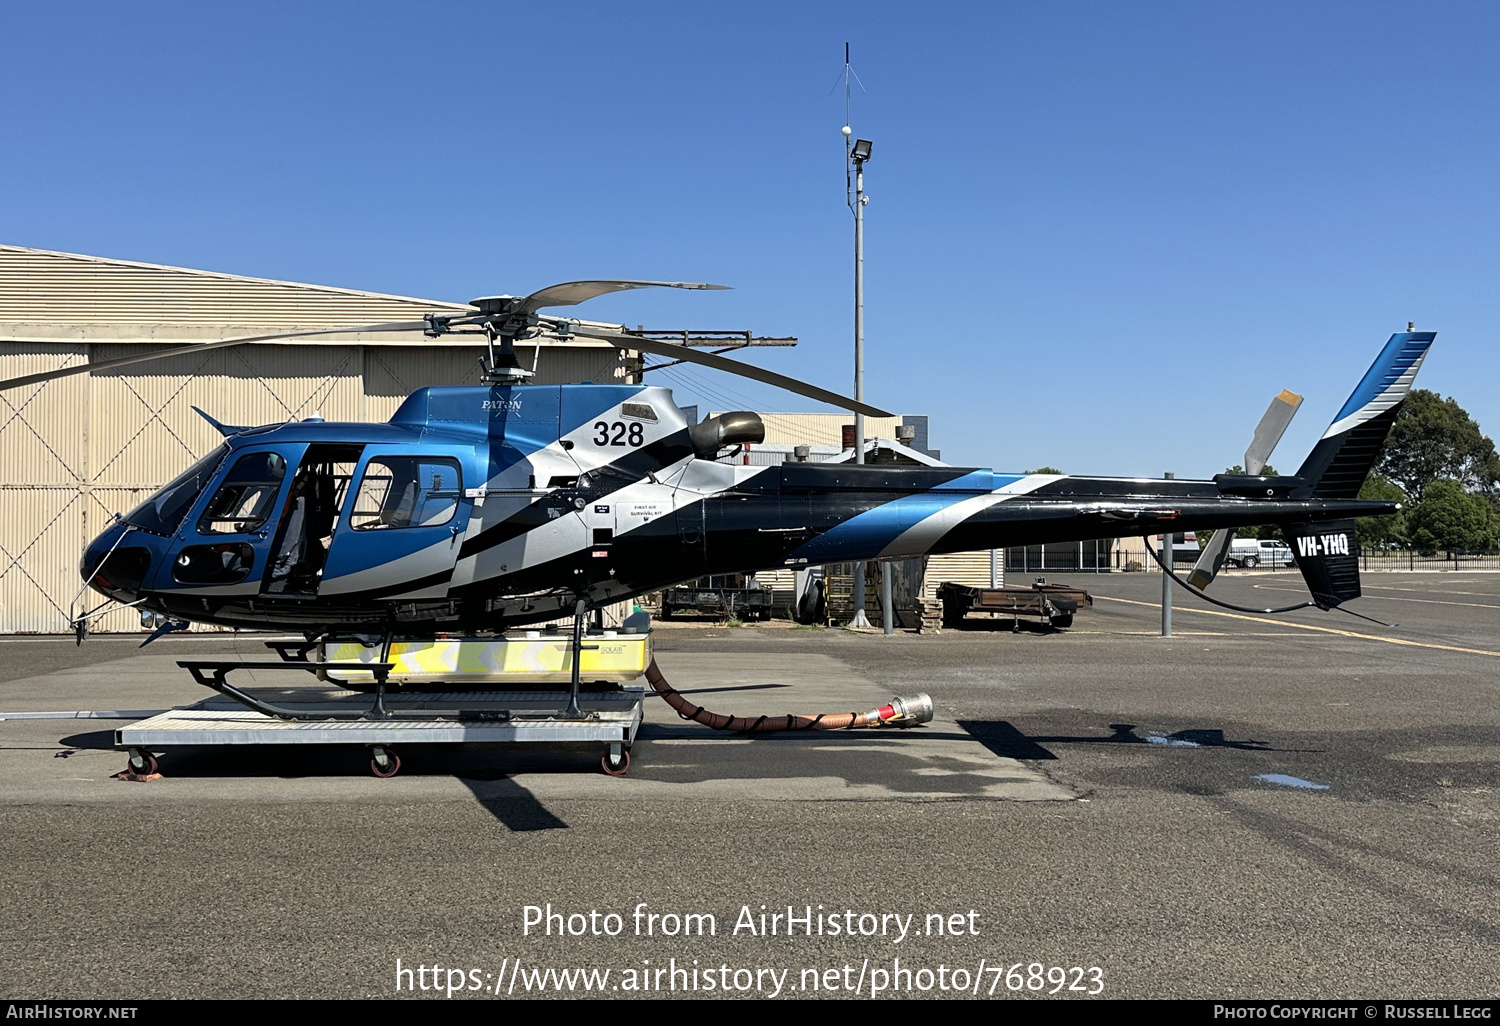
(619, 433)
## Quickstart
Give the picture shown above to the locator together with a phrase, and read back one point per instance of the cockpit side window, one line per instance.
(406, 491)
(245, 500)
(164, 512)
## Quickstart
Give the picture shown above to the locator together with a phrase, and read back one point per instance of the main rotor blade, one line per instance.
(571, 293)
(1273, 424)
(744, 370)
(199, 347)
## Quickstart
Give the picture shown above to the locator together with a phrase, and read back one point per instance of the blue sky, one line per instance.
(1101, 235)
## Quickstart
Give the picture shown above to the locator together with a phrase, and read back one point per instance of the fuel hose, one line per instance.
(900, 712)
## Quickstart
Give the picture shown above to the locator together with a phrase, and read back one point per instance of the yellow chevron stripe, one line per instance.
(511, 659)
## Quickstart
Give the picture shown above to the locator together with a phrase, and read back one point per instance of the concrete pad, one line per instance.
(47, 761)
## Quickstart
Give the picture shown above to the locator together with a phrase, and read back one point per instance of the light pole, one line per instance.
(857, 151)
(1168, 554)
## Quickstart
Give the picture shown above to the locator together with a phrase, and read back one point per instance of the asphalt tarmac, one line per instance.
(1300, 806)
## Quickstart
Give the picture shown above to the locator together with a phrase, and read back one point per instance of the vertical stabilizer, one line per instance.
(1338, 464)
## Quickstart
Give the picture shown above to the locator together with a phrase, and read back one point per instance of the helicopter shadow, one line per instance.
(732, 687)
(1004, 626)
(91, 741)
(1004, 739)
(513, 805)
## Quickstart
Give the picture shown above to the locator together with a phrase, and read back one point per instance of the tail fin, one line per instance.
(1327, 553)
(1328, 556)
(1339, 463)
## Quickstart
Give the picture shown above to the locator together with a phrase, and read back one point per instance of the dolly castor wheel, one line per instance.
(616, 761)
(141, 763)
(385, 763)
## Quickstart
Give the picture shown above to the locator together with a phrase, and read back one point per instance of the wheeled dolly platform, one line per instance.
(610, 719)
(354, 706)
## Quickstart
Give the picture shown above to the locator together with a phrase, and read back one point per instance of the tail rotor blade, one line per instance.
(1273, 424)
(744, 370)
(1270, 429)
(1211, 559)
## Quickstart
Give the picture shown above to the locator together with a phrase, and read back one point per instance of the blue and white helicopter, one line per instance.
(480, 508)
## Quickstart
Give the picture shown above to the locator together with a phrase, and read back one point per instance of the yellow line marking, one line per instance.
(1186, 634)
(1387, 587)
(1308, 627)
(1393, 598)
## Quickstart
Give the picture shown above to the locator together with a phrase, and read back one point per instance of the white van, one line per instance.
(1185, 547)
(1253, 552)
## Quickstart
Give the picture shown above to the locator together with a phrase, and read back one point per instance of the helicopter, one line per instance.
(480, 508)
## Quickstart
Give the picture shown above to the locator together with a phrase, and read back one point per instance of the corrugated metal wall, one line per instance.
(43, 443)
(821, 428)
(971, 568)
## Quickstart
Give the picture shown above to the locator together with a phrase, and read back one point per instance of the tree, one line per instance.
(1044, 470)
(1382, 531)
(1450, 518)
(1434, 438)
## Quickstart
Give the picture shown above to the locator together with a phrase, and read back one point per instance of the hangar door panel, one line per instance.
(142, 428)
(45, 458)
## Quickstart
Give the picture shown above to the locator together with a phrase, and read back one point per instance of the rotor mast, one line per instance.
(504, 319)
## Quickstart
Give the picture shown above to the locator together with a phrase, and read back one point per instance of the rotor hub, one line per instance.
(493, 304)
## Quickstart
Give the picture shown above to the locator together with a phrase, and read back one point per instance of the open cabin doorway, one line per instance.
(309, 518)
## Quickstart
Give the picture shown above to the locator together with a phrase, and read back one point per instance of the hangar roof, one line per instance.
(47, 296)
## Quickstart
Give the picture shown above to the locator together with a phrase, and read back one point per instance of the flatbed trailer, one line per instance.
(1054, 603)
(731, 596)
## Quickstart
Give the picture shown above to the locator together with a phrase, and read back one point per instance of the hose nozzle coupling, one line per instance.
(903, 712)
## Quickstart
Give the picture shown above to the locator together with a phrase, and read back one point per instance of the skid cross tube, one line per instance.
(580, 611)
